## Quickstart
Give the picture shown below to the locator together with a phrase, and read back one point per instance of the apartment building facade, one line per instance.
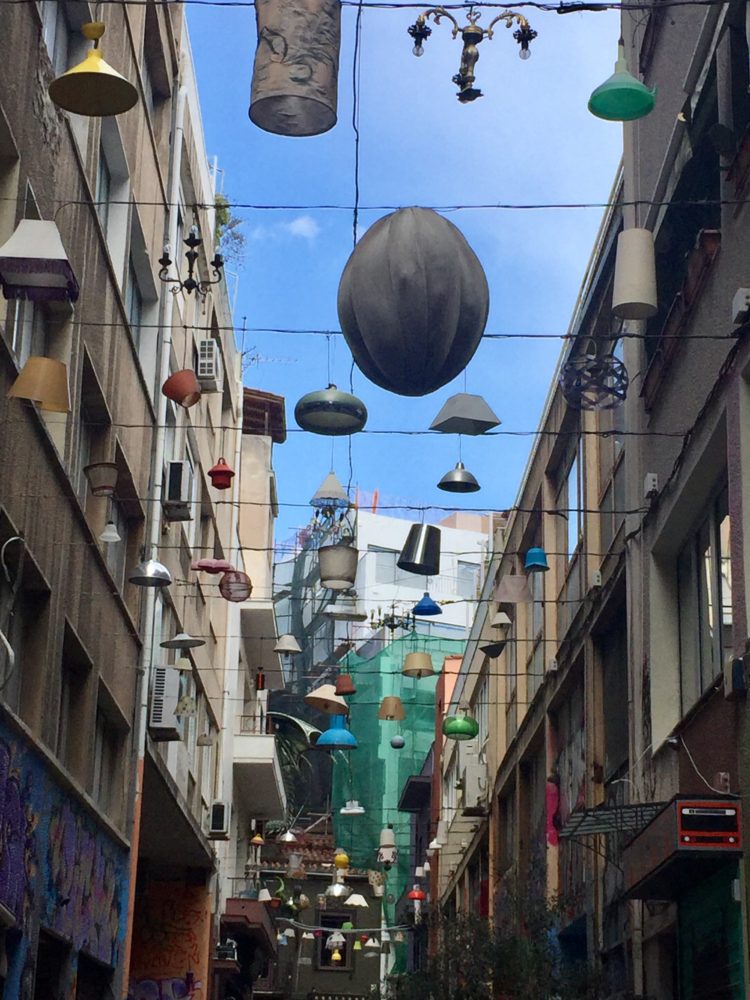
(108, 807)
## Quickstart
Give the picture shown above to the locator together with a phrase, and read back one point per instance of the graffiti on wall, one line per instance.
(58, 868)
(171, 932)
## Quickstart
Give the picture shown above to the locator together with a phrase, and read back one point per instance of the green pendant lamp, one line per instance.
(461, 726)
(622, 98)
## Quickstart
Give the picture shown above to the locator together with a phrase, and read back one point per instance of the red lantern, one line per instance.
(417, 893)
(235, 586)
(260, 681)
(221, 475)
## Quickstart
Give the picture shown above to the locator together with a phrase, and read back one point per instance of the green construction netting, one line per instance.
(375, 773)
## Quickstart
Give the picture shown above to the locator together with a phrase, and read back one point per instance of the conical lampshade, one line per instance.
(43, 381)
(426, 607)
(183, 640)
(501, 620)
(287, 645)
(622, 98)
(391, 708)
(459, 480)
(337, 736)
(465, 414)
(418, 665)
(150, 573)
(421, 551)
(330, 493)
(325, 699)
(93, 88)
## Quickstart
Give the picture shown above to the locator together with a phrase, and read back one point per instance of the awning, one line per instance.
(249, 918)
(628, 818)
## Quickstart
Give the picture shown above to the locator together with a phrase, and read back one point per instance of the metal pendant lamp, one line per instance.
(459, 480)
(426, 607)
(501, 620)
(465, 413)
(325, 699)
(622, 98)
(330, 411)
(418, 665)
(93, 88)
(150, 573)
(421, 551)
(337, 736)
(391, 709)
(183, 640)
(43, 381)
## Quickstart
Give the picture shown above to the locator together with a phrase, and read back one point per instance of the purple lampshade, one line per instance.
(34, 265)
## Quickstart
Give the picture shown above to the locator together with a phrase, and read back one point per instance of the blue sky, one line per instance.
(530, 139)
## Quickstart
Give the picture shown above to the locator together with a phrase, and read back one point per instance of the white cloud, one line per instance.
(303, 226)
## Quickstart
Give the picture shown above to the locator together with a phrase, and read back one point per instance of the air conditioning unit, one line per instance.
(218, 820)
(209, 365)
(178, 491)
(475, 785)
(163, 724)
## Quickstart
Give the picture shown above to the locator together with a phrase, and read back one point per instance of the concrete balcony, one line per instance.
(258, 780)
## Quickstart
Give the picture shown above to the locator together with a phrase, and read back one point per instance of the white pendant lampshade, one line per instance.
(110, 535)
(287, 645)
(264, 896)
(34, 265)
(502, 621)
(325, 699)
(634, 292)
(356, 899)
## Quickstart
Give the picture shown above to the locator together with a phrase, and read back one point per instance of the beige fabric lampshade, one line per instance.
(513, 589)
(634, 291)
(391, 707)
(43, 381)
(418, 665)
(501, 620)
(325, 699)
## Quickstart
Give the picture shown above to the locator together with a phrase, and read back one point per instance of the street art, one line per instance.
(58, 868)
(169, 959)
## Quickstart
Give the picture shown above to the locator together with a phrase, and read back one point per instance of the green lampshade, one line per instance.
(622, 98)
(460, 727)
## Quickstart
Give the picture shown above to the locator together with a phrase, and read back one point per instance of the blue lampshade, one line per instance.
(337, 736)
(426, 606)
(536, 561)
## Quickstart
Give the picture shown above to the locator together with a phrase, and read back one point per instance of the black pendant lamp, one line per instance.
(421, 551)
(459, 480)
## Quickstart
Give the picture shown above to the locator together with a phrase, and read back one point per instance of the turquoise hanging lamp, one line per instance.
(536, 560)
(337, 736)
(622, 98)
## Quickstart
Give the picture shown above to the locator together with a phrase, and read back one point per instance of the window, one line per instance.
(705, 602)
(28, 330)
(330, 922)
(134, 304)
(55, 31)
(72, 731)
(482, 711)
(85, 450)
(107, 743)
(467, 578)
(569, 502)
(385, 563)
(449, 791)
(115, 553)
(190, 526)
(511, 651)
(507, 828)
(103, 190)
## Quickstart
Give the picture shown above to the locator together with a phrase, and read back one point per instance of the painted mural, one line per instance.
(58, 869)
(169, 959)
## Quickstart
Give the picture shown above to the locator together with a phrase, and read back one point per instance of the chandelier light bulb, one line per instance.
(524, 53)
(417, 51)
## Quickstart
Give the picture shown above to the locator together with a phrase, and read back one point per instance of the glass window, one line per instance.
(103, 190)
(55, 33)
(115, 553)
(705, 602)
(468, 578)
(331, 922)
(28, 330)
(134, 304)
(105, 760)
(385, 564)
(482, 711)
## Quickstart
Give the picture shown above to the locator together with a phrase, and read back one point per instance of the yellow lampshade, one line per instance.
(341, 859)
(336, 956)
(43, 381)
(391, 707)
(93, 88)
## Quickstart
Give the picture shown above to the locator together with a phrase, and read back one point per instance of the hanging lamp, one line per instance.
(501, 620)
(341, 859)
(513, 589)
(391, 709)
(325, 699)
(634, 289)
(221, 475)
(398, 742)
(43, 381)
(338, 565)
(288, 837)
(183, 640)
(421, 551)
(536, 560)
(426, 607)
(212, 566)
(345, 608)
(287, 645)
(34, 265)
(235, 586)
(460, 727)
(459, 480)
(622, 98)
(102, 478)
(418, 664)
(337, 736)
(344, 685)
(257, 840)
(264, 896)
(465, 413)
(356, 899)
(110, 535)
(93, 88)
(330, 495)
(352, 808)
(150, 573)
(183, 388)
(331, 412)
(357, 946)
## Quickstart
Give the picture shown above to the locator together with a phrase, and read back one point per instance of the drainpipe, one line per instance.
(153, 515)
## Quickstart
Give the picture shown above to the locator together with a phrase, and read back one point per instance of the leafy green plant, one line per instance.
(228, 238)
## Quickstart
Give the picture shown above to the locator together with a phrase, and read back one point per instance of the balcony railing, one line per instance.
(257, 724)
